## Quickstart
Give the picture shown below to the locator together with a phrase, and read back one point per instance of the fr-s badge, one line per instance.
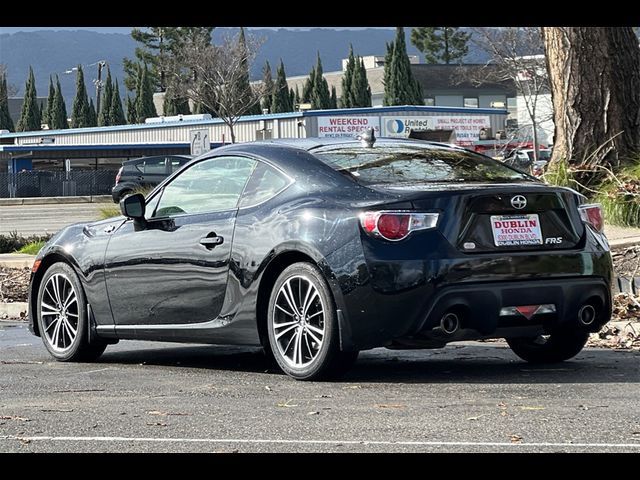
(553, 240)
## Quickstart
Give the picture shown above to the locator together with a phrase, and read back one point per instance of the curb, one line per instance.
(7, 202)
(14, 311)
(624, 242)
(20, 261)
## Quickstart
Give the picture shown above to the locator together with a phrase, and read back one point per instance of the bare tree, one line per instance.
(12, 90)
(516, 54)
(216, 76)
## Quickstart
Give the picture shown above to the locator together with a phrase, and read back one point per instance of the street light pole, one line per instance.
(101, 65)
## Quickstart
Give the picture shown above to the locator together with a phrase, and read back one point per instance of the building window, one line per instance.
(512, 103)
(430, 101)
(470, 102)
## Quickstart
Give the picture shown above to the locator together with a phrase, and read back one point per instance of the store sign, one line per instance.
(346, 126)
(467, 127)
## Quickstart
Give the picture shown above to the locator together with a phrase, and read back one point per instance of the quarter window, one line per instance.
(264, 184)
(211, 185)
(155, 165)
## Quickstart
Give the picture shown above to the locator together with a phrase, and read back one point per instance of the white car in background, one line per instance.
(523, 159)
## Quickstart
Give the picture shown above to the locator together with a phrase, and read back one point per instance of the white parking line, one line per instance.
(319, 442)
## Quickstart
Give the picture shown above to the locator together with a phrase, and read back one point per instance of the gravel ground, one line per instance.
(13, 284)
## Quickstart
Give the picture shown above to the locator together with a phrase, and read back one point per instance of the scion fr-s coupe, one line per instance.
(316, 249)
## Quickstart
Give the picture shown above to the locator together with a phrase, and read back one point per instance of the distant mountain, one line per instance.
(51, 52)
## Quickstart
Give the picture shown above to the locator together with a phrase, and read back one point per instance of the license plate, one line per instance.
(514, 230)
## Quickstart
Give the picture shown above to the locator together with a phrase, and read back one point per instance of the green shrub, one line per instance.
(620, 197)
(13, 242)
(32, 248)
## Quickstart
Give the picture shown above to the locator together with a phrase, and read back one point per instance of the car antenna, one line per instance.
(368, 138)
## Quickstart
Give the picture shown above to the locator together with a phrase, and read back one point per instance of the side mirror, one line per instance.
(133, 206)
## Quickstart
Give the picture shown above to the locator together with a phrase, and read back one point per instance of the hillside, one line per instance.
(51, 52)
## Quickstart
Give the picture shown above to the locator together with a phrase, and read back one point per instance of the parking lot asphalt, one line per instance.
(159, 397)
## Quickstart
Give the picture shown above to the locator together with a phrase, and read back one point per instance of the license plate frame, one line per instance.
(516, 230)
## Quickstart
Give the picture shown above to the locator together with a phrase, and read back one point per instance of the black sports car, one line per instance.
(316, 249)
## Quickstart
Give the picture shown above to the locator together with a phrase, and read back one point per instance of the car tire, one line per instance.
(62, 316)
(557, 347)
(303, 327)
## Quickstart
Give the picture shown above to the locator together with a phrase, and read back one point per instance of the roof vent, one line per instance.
(368, 138)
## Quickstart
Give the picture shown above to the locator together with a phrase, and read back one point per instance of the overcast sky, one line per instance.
(128, 29)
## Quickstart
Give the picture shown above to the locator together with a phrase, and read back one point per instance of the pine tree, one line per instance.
(269, 86)
(80, 109)
(360, 90)
(6, 122)
(156, 49)
(46, 113)
(333, 100)
(131, 111)
(105, 101)
(30, 116)
(116, 114)
(441, 44)
(347, 79)
(58, 112)
(403, 88)
(320, 96)
(144, 97)
(92, 116)
(280, 101)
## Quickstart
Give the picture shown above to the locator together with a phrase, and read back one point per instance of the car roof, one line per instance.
(140, 159)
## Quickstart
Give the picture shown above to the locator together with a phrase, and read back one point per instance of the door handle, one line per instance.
(211, 240)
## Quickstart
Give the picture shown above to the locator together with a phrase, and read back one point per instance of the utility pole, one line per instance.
(101, 65)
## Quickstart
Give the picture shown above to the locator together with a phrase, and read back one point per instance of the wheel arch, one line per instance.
(48, 260)
(275, 266)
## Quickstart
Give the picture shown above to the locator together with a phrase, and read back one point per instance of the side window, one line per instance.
(154, 165)
(211, 185)
(175, 163)
(264, 184)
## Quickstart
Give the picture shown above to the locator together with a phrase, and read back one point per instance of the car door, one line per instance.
(174, 270)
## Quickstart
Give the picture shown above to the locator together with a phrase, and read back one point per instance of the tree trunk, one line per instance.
(594, 74)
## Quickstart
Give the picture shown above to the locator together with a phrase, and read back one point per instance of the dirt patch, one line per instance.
(14, 284)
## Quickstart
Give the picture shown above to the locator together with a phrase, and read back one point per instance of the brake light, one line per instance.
(396, 225)
(118, 175)
(592, 214)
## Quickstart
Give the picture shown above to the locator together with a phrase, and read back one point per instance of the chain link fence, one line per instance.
(56, 184)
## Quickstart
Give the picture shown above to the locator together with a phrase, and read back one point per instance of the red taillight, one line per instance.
(592, 214)
(394, 226)
(118, 175)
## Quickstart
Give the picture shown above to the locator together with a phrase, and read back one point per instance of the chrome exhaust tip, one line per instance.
(450, 323)
(587, 315)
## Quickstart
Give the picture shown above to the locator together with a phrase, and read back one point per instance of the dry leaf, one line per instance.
(515, 438)
(390, 405)
(287, 404)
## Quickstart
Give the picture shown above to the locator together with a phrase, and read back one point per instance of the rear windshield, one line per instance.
(416, 164)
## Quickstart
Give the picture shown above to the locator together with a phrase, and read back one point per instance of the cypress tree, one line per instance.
(58, 111)
(320, 96)
(333, 100)
(30, 116)
(6, 122)
(46, 113)
(269, 87)
(245, 86)
(296, 97)
(105, 102)
(347, 79)
(360, 90)
(404, 89)
(292, 99)
(175, 106)
(80, 109)
(131, 111)
(280, 101)
(116, 114)
(92, 116)
(144, 99)
(308, 87)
